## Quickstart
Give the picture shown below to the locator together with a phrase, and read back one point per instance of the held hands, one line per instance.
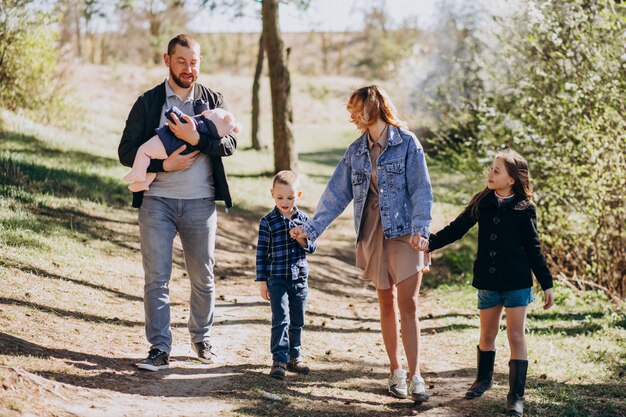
(299, 234)
(185, 131)
(178, 162)
(548, 297)
(419, 243)
(265, 294)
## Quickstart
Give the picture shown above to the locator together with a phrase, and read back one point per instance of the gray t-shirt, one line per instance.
(192, 183)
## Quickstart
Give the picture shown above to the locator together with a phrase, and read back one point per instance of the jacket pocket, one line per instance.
(396, 167)
(359, 180)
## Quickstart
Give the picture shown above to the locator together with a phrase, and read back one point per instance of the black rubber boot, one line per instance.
(484, 374)
(517, 383)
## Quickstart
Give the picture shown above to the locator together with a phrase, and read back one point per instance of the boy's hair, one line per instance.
(517, 168)
(182, 40)
(287, 177)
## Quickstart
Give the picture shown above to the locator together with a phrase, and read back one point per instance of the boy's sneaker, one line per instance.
(205, 353)
(156, 360)
(397, 383)
(298, 366)
(418, 389)
(278, 370)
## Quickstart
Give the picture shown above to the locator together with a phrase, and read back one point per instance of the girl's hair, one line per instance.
(517, 168)
(374, 103)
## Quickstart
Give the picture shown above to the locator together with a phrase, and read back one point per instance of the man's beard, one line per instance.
(181, 83)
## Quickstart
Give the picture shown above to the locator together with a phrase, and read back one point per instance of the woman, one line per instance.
(384, 172)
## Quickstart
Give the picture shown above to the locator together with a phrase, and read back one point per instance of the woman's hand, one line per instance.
(185, 131)
(265, 294)
(419, 243)
(548, 297)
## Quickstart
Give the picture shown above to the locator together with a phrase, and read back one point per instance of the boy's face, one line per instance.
(285, 196)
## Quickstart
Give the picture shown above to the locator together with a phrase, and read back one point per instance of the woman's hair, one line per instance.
(517, 168)
(374, 103)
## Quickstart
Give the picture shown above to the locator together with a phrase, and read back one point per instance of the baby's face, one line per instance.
(285, 196)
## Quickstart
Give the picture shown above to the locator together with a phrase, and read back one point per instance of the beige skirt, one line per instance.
(385, 262)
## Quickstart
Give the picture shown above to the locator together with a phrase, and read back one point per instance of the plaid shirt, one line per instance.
(278, 255)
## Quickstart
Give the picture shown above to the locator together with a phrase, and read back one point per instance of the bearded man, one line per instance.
(181, 200)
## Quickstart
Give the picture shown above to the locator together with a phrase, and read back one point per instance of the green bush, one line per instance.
(28, 55)
(558, 96)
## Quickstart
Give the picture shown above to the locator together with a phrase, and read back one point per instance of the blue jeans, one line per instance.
(288, 302)
(196, 222)
(510, 299)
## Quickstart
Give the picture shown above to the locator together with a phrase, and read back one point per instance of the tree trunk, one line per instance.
(256, 141)
(285, 155)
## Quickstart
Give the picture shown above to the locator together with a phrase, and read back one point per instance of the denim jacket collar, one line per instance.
(394, 139)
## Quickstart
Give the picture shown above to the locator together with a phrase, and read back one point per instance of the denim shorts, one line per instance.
(513, 298)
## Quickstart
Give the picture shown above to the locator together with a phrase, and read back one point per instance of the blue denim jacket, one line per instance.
(403, 184)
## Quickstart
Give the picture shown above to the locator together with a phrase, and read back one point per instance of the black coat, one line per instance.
(144, 118)
(508, 244)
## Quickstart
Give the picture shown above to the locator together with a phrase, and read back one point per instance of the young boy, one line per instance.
(282, 272)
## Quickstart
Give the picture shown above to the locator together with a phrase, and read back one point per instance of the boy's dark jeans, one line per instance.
(288, 302)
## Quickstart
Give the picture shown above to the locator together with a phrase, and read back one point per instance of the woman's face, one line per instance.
(356, 116)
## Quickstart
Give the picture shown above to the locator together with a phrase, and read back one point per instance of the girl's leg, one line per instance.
(389, 325)
(489, 325)
(518, 365)
(408, 293)
(515, 326)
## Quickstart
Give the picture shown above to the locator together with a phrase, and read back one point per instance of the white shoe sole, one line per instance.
(152, 368)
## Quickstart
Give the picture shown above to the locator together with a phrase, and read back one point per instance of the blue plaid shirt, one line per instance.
(278, 255)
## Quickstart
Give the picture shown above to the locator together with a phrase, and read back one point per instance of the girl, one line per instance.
(384, 172)
(508, 250)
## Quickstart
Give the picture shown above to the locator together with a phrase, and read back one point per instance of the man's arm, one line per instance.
(133, 132)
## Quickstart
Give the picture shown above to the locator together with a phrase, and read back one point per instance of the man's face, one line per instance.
(184, 65)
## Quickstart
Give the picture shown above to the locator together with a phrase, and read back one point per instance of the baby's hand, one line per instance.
(265, 294)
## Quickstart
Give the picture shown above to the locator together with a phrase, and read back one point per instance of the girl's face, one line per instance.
(498, 178)
(285, 196)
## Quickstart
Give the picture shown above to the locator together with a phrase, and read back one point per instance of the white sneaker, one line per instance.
(397, 384)
(418, 389)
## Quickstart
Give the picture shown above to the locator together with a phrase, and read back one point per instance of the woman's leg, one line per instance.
(515, 325)
(389, 325)
(408, 293)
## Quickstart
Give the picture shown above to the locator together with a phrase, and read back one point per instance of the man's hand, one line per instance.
(265, 294)
(178, 162)
(185, 131)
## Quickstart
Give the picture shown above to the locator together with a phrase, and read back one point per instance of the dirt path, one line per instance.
(83, 364)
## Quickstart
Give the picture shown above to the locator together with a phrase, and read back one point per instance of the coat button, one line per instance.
(493, 253)
(381, 190)
(496, 220)
(492, 270)
(493, 236)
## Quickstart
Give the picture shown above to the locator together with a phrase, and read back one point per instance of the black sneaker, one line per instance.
(205, 353)
(298, 366)
(156, 360)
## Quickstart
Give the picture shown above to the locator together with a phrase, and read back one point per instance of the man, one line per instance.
(180, 200)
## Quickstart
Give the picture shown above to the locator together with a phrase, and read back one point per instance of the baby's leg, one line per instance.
(152, 149)
(142, 185)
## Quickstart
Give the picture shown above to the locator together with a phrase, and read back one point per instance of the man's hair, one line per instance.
(182, 40)
(287, 178)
